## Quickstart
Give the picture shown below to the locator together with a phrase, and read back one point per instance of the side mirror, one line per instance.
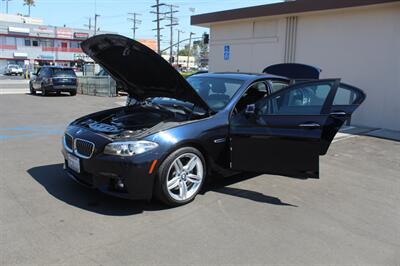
(250, 109)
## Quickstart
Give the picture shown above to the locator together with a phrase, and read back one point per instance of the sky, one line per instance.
(114, 14)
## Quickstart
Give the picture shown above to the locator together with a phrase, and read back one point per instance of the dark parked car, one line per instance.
(54, 79)
(177, 131)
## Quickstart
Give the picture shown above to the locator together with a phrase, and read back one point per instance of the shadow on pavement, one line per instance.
(60, 186)
(221, 185)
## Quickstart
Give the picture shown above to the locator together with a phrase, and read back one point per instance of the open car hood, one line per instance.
(143, 72)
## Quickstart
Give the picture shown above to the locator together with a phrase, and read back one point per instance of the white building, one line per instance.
(181, 60)
(356, 40)
(25, 39)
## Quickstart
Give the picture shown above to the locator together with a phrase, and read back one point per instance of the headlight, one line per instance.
(129, 148)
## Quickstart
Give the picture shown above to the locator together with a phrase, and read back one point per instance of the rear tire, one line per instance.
(72, 93)
(178, 187)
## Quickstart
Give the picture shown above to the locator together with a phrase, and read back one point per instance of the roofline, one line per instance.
(288, 7)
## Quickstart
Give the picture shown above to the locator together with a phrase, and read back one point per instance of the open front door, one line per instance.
(291, 128)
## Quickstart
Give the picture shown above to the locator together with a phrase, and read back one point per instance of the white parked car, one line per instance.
(13, 70)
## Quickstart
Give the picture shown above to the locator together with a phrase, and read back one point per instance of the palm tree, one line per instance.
(29, 3)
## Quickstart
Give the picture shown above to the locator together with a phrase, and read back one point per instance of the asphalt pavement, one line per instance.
(13, 85)
(350, 216)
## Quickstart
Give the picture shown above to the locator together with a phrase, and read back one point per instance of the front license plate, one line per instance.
(73, 163)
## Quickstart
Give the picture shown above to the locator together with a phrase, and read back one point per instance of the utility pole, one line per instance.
(95, 23)
(7, 5)
(89, 25)
(190, 43)
(173, 21)
(158, 19)
(177, 48)
(135, 22)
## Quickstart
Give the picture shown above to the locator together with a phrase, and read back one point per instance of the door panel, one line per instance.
(346, 100)
(285, 134)
(36, 81)
(277, 145)
(291, 128)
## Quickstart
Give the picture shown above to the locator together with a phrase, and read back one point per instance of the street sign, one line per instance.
(227, 51)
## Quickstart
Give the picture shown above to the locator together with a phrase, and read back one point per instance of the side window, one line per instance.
(41, 72)
(277, 85)
(44, 72)
(254, 93)
(345, 96)
(306, 99)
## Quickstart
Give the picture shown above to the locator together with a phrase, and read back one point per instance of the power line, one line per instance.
(135, 22)
(173, 21)
(158, 19)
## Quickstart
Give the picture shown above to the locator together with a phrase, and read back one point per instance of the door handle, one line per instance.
(310, 125)
(338, 113)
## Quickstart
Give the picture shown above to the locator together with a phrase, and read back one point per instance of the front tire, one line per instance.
(43, 90)
(31, 89)
(180, 176)
(72, 93)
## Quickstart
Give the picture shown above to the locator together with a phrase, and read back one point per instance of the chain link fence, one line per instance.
(97, 86)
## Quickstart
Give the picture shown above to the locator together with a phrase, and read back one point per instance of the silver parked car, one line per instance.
(13, 70)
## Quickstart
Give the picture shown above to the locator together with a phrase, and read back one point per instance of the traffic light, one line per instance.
(206, 38)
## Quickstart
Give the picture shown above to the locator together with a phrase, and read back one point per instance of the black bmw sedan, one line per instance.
(173, 133)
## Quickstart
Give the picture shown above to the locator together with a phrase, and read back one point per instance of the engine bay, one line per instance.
(132, 120)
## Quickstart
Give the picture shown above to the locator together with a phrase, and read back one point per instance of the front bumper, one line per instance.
(107, 172)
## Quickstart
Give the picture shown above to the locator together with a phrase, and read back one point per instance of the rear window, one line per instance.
(63, 72)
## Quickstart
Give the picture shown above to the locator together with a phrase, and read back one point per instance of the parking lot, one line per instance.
(349, 216)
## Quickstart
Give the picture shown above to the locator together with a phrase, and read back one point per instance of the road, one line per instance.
(349, 216)
(13, 85)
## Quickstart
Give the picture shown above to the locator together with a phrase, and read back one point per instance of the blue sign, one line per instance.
(227, 52)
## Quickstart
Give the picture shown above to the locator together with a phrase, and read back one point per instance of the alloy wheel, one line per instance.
(185, 176)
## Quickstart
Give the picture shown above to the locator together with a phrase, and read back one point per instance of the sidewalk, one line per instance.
(352, 131)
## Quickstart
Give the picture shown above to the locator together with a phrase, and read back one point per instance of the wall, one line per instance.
(363, 48)
(253, 45)
(359, 45)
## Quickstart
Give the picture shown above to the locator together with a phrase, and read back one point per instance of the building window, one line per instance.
(35, 43)
(27, 42)
(75, 44)
(10, 41)
(47, 43)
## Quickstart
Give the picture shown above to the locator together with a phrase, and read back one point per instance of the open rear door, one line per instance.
(294, 71)
(291, 128)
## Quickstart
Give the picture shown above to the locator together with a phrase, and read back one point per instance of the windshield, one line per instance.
(63, 72)
(216, 92)
(13, 66)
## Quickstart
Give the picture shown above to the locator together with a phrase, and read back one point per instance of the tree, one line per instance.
(29, 3)
(184, 51)
(200, 52)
